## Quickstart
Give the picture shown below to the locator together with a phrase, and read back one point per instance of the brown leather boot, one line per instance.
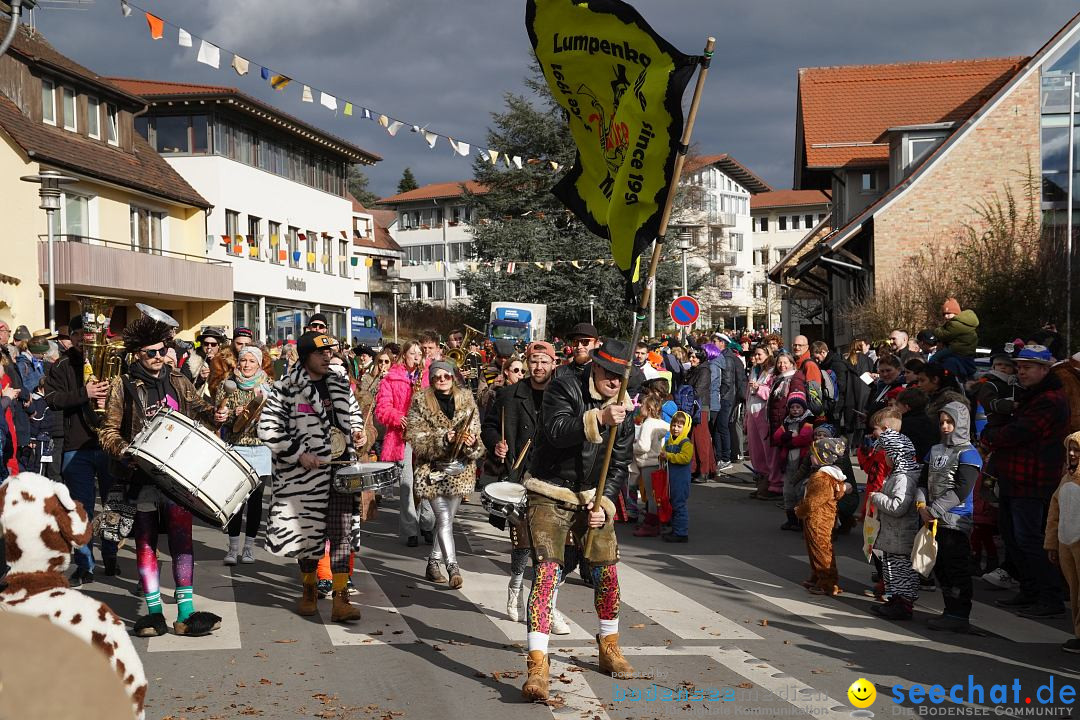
(536, 686)
(343, 610)
(309, 602)
(611, 657)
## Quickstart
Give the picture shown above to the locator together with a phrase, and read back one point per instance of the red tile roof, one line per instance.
(157, 92)
(381, 237)
(436, 191)
(848, 108)
(730, 167)
(788, 198)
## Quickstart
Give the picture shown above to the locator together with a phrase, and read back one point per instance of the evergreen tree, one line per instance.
(358, 187)
(407, 181)
(520, 220)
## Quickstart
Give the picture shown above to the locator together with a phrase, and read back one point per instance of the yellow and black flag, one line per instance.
(621, 85)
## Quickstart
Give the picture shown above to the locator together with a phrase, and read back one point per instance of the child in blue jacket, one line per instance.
(678, 453)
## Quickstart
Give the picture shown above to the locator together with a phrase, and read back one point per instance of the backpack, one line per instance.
(686, 401)
(828, 391)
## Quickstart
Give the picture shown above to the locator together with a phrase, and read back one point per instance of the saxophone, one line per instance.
(103, 358)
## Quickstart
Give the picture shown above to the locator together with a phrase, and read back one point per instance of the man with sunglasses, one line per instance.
(317, 324)
(197, 368)
(562, 482)
(134, 399)
(583, 339)
(307, 408)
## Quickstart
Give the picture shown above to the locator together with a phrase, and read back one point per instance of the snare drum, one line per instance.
(504, 499)
(360, 477)
(193, 466)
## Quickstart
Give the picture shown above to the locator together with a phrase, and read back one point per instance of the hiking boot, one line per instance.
(455, 576)
(611, 657)
(308, 604)
(343, 611)
(897, 608)
(537, 685)
(434, 572)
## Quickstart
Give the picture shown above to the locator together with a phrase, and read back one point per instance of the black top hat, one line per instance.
(613, 356)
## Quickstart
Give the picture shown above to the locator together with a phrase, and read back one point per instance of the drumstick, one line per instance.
(521, 455)
(502, 423)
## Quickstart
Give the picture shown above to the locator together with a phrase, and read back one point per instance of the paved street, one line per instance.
(724, 612)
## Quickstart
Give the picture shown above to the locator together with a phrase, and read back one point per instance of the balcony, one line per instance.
(98, 267)
(710, 218)
(723, 258)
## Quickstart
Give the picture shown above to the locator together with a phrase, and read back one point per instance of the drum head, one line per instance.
(509, 492)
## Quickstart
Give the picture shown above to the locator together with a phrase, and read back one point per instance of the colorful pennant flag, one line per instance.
(617, 186)
(264, 73)
(354, 261)
(394, 127)
(328, 101)
(296, 256)
(282, 255)
(348, 109)
(183, 37)
(431, 139)
(125, 9)
(240, 65)
(306, 96)
(209, 54)
(278, 82)
(157, 26)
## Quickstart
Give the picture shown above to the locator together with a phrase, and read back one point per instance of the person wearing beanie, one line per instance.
(793, 437)
(311, 418)
(957, 339)
(243, 398)
(443, 428)
(223, 363)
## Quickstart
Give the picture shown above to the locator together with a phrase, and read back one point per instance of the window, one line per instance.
(72, 223)
(327, 255)
(736, 280)
(232, 230)
(93, 118)
(458, 288)
(404, 221)
(48, 101)
(763, 223)
(343, 258)
(277, 243)
(795, 222)
(820, 217)
(312, 250)
(759, 290)
(146, 230)
(254, 237)
(735, 242)
(809, 219)
(869, 182)
(782, 225)
(294, 247)
(778, 255)
(112, 128)
(69, 109)
(460, 252)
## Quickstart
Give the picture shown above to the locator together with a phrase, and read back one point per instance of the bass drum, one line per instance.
(193, 466)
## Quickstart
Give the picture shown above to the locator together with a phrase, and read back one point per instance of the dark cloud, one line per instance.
(448, 64)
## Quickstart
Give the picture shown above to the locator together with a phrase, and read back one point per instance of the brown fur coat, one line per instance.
(818, 514)
(427, 428)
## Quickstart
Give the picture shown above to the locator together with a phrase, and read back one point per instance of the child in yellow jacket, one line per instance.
(678, 453)
(1062, 538)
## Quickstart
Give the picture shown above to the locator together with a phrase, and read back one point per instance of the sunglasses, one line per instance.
(320, 326)
(517, 371)
(581, 341)
(209, 344)
(441, 377)
(154, 352)
(384, 362)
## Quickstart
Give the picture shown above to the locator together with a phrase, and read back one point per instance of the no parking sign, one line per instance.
(684, 310)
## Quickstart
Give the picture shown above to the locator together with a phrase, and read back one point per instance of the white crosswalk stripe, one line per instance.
(382, 622)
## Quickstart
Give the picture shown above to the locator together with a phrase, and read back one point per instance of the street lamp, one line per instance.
(592, 301)
(395, 289)
(49, 192)
(686, 236)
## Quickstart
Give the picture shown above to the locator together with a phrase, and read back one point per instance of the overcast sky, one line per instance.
(447, 64)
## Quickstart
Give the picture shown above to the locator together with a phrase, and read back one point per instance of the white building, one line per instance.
(433, 230)
(715, 214)
(282, 215)
(780, 219)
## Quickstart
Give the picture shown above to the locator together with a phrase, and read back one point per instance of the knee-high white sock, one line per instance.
(609, 627)
(538, 641)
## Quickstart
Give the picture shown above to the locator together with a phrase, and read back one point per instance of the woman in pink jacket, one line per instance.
(391, 409)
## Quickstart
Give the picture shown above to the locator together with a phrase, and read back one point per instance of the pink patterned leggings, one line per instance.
(548, 574)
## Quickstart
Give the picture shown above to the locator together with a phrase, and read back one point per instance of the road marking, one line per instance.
(580, 700)
(675, 611)
(986, 617)
(826, 613)
(378, 615)
(223, 604)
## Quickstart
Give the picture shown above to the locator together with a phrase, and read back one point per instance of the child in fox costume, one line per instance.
(42, 525)
(817, 510)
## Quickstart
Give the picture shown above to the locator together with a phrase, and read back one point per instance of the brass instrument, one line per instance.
(459, 357)
(104, 359)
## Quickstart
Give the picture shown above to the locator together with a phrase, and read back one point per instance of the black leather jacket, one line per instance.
(563, 455)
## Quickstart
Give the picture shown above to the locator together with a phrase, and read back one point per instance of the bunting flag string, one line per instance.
(210, 54)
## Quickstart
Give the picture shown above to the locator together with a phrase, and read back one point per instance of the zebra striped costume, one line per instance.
(294, 422)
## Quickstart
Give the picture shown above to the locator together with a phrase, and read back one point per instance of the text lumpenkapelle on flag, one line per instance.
(622, 86)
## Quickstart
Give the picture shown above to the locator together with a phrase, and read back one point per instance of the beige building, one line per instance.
(129, 227)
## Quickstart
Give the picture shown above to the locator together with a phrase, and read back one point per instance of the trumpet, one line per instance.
(459, 357)
(104, 359)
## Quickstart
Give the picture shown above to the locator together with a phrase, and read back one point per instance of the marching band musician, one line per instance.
(443, 426)
(306, 409)
(241, 398)
(134, 398)
(562, 483)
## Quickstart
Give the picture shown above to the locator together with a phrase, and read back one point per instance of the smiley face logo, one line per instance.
(862, 693)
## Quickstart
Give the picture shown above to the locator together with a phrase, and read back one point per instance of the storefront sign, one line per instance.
(296, 284)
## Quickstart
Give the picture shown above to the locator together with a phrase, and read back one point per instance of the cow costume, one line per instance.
(303, 409)
(42, 525)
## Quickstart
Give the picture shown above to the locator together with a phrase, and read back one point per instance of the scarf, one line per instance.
(157, 386)
(446, 403)
(252, 382)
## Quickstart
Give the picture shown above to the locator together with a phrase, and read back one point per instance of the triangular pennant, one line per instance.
(368, 262)
(209, 54)
(157, 26)
(296, 256)
(348, 109)
(384, 121)
(438, 266)
(283, 255)
(510, 267)
(328, 101)
(472, 267)
(549, 266)
(125, 9)
(278, 82)
(367, 114)
(431, 139)
(240, 65)
(307, 96)
(539, 265)
(183, 37)
(311, 258)
(264, 73)
(576, 264)
(394, 127)
(554, 165)
(461, 148)
(273, 241)
(517, 161)
(493, 155)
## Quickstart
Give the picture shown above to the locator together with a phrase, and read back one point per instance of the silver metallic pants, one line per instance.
(445, 509)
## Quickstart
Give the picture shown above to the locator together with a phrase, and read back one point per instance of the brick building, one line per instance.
(908, 150)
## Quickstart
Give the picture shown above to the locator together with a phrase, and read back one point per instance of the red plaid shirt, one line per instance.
(1028, 452)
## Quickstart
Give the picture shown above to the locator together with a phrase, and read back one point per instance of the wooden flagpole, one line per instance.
(654, 263)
